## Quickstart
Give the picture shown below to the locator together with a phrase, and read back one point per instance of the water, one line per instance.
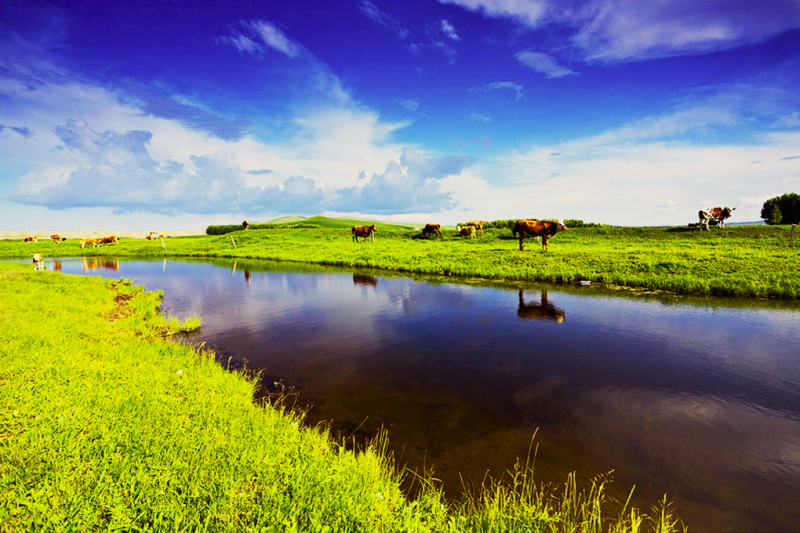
(698, 398)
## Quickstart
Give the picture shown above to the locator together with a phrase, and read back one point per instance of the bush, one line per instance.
(229, 228)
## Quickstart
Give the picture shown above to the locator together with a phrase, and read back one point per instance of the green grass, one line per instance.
(752, 261)
(105, 425)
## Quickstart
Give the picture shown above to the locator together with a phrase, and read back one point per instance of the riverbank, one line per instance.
(751, 261)
(105, 424)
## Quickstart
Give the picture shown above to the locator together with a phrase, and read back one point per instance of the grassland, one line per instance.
(105, 425)
(751, 261)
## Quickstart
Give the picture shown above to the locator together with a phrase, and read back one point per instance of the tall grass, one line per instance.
(105, 425)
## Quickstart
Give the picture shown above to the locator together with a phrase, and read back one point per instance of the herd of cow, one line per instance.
(524, 228)
(535, 228)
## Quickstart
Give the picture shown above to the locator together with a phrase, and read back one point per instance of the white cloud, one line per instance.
(502, 85)
(528, 12)
(478, 116)
(450, 31)
(273, 37)
(542, 63)
(410, 105)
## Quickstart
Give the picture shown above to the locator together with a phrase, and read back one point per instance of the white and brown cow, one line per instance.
(363, 231)
(717, 214)
(38, 262)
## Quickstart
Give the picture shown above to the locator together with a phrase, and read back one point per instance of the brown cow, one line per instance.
(113, 239)
(515, 229)
(31, 239)
(466, 231)
(363, 231)
(541, 311)
(88, 240)
(539, 228)
(435, 229)
(56, 238)
(479, 224)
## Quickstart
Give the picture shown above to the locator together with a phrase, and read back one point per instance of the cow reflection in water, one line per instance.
(544, 310)
(364, 279)
(97, 263)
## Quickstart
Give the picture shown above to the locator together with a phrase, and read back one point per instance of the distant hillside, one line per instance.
(287, 220)
(340, 222)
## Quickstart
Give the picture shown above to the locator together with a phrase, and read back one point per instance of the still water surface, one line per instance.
(696, 398)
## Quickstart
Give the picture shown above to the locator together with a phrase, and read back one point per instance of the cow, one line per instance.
(515, 229)
(539, 228)
(56, 238)
(113, 239)
(245, 224)
(38, 262)
(31, 239)
(466, 231)
(718, 214)
(541, 311)
(363, 231)
(479, 224)
(435, 229)
(88, 240)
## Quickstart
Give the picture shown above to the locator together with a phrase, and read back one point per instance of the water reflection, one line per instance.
(97, 263)
(695, 397)
(544, 310)
(364, 279)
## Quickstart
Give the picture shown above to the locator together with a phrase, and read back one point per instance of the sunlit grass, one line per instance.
(105, 425)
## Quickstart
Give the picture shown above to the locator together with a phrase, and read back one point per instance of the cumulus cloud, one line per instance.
(410, 184)
(543, 63)
(112, 169)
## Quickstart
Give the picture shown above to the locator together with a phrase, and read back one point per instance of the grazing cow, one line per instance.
(539, 228)
(363, 231)
(56, 238)
(31, 239)
(245, 224)
(718, 214)
(88, 240)
(38, 262)
(541, 311)
(516, 227)
(466, 231)
(479, 224)
(113, 239)
(435, 229)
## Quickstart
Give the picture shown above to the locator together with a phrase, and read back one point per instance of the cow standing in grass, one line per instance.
(538, 228)
(479, 225)
(435, 229)
(38, 262)
(363, 231)
(466, 231)
(717, 214)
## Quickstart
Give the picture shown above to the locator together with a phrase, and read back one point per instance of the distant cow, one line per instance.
(245, 224)
(466, 231)
(38, 262)
(88, 240)
(541, 311)
(717, 214)
(113, 239)
(363, 231)
(31, 239)
(56, 238)
(479, 224)
(515, 229)
(538, 228)
(435, 229)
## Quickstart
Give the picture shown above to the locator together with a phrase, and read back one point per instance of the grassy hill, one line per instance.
(339, 222)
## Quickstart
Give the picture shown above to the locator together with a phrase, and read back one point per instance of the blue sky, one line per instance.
(172, 115)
